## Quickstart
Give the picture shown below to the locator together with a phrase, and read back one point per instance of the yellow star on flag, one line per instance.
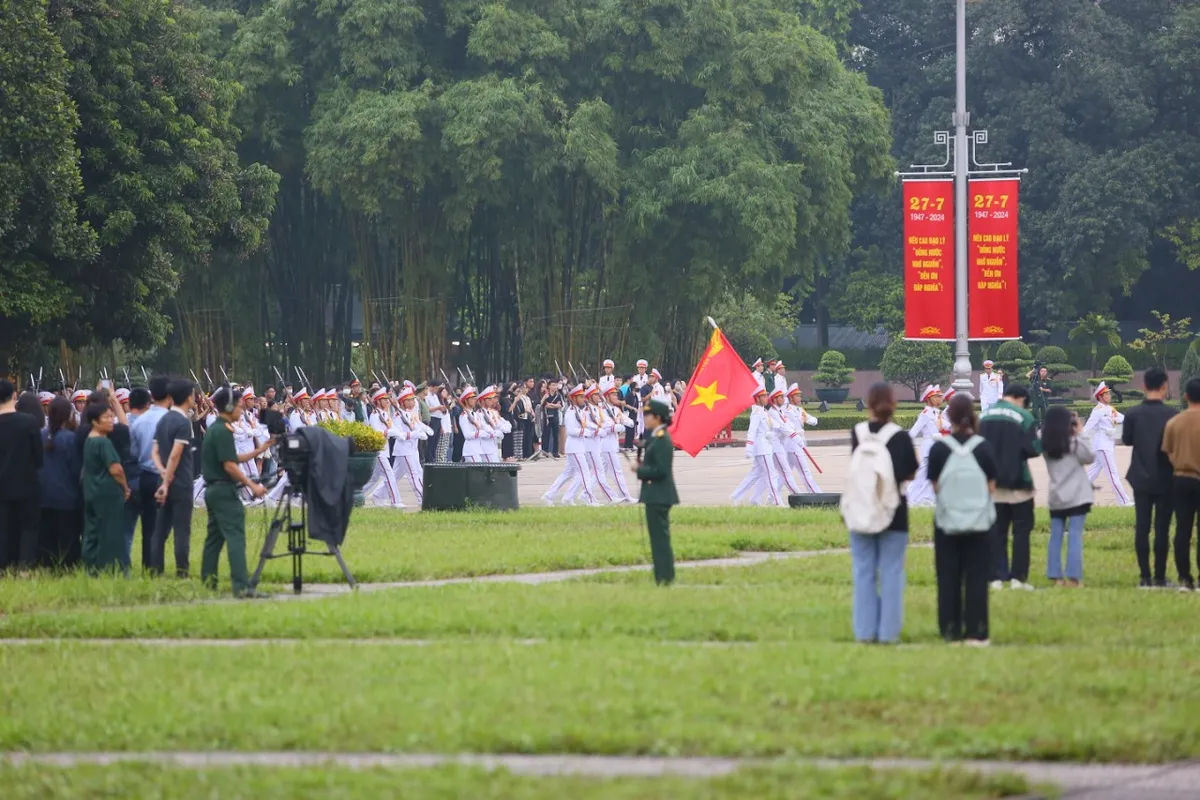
(707, 396)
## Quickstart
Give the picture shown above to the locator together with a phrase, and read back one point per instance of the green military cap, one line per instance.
(658, 408)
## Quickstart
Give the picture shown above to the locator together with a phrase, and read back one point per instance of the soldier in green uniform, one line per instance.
(658, 488)
(219, 464)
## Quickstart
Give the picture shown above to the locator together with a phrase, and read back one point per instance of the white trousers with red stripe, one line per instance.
(409, 466)
(1106, 462)
(799, 462)
(786, 483)
(381, 489)
(611, 462)
(762, 476)
(593, 467)
(576, 466)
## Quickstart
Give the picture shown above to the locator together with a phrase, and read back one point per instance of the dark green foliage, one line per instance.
(832, 372)
(1014, 357)
(1191, 365)
(916, 364)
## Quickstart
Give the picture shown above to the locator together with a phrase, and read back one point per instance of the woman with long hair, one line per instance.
(1067, 455)
(28, 403)
(62, 513)
(961, 557)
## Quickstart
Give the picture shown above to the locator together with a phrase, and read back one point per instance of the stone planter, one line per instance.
(833, 395)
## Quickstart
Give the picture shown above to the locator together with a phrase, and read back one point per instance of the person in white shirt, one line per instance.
(780, 379)
(607, 379)
(761, 454)
(991, 387)
(1102, 426)
(640, 378)
(927, 429)
(382, 489)
(781, 433)
(410, 431)
(615, 423)
(594, 430)
(798, 418)
(757, 366)
(489, 401)
(575, 450)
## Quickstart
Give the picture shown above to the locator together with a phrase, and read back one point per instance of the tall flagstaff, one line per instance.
(962, 355)
(985, 196)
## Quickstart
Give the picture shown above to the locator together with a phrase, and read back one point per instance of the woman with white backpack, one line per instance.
(874, 507)
(962, 467)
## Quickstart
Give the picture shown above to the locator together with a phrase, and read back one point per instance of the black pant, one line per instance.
(173, 515)
(60, 538)
(961, 562)
(19, 522)
(550, 437)
(1145, 505)
(1187, 504)
(1020, 517)
(148, 510)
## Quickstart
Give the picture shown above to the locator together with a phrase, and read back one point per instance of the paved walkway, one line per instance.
(1177, 781)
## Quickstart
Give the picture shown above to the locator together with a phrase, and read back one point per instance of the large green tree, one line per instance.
(40, 233)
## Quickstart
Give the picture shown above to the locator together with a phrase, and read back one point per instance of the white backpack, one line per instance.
(871, 497)
(964, 502)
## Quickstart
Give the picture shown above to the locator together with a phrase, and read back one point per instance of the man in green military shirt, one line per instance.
(219, 464)
(658, 488)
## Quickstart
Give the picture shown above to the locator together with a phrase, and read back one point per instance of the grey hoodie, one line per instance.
(1069, 484)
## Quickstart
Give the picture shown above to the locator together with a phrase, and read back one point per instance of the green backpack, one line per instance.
(964, 502)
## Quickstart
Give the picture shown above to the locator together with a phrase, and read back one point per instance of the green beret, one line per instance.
(658, 408)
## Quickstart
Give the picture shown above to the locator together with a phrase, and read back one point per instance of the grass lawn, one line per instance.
(738, 661)
(148, 782)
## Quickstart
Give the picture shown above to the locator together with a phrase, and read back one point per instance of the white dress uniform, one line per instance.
(781, 433)
(797, 460)
(573, 422)
(927, 429)
(780, 383)
(611, 433)
(407, 461)
(991, 389)
(381, 489)
(478, 436)
(760, 451)
(1102, 428)
(500, 428)
(594, 431)
(606, 382)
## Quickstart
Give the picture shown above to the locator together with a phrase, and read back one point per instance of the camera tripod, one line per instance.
(291, 513)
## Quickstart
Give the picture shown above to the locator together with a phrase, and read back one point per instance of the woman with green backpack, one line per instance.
(962, 468)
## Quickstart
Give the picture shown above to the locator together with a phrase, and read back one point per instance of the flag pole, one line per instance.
(710, 322)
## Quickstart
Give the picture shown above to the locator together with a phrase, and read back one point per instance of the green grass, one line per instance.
(148, 782)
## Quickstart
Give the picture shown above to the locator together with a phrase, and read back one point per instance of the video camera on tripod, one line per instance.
(314, 464)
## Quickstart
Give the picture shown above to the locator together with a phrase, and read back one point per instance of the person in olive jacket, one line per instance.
(658, 488)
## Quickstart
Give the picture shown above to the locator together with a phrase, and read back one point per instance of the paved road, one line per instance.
(711, 477)
(1177, 781)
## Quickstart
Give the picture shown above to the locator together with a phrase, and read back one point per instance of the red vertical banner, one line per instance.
(992, 259)
(929, 259)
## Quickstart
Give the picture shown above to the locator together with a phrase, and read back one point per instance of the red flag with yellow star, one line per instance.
(721, 388)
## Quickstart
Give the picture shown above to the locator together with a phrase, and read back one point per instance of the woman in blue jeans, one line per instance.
(877, 559)
(1066, 457)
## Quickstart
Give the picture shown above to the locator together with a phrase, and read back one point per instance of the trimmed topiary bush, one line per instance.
(832, 372)
(1014, 357)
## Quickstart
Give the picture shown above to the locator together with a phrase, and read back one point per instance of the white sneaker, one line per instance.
(547, 500)
(1016, 584)
(978, 642)
(997, 584)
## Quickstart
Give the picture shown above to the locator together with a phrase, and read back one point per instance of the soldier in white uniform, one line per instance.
(761, 454)
(991, 387)
(613, 429)
(757, 366)
(246, 434)
(489, 401)
(1102, 426)
(595, 429)
(478, 435)
(410, 430)
(381, 489)
(780, 379)
(798, 418)
(301, 415)
(607, 379)
(640, 378)
(781, 433)
(573, 420)
(926, 430)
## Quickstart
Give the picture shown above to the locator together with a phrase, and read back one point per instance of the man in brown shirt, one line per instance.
(1181, 443)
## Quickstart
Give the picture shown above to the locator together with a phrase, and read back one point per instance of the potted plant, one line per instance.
(833, 375)
(366, 444)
